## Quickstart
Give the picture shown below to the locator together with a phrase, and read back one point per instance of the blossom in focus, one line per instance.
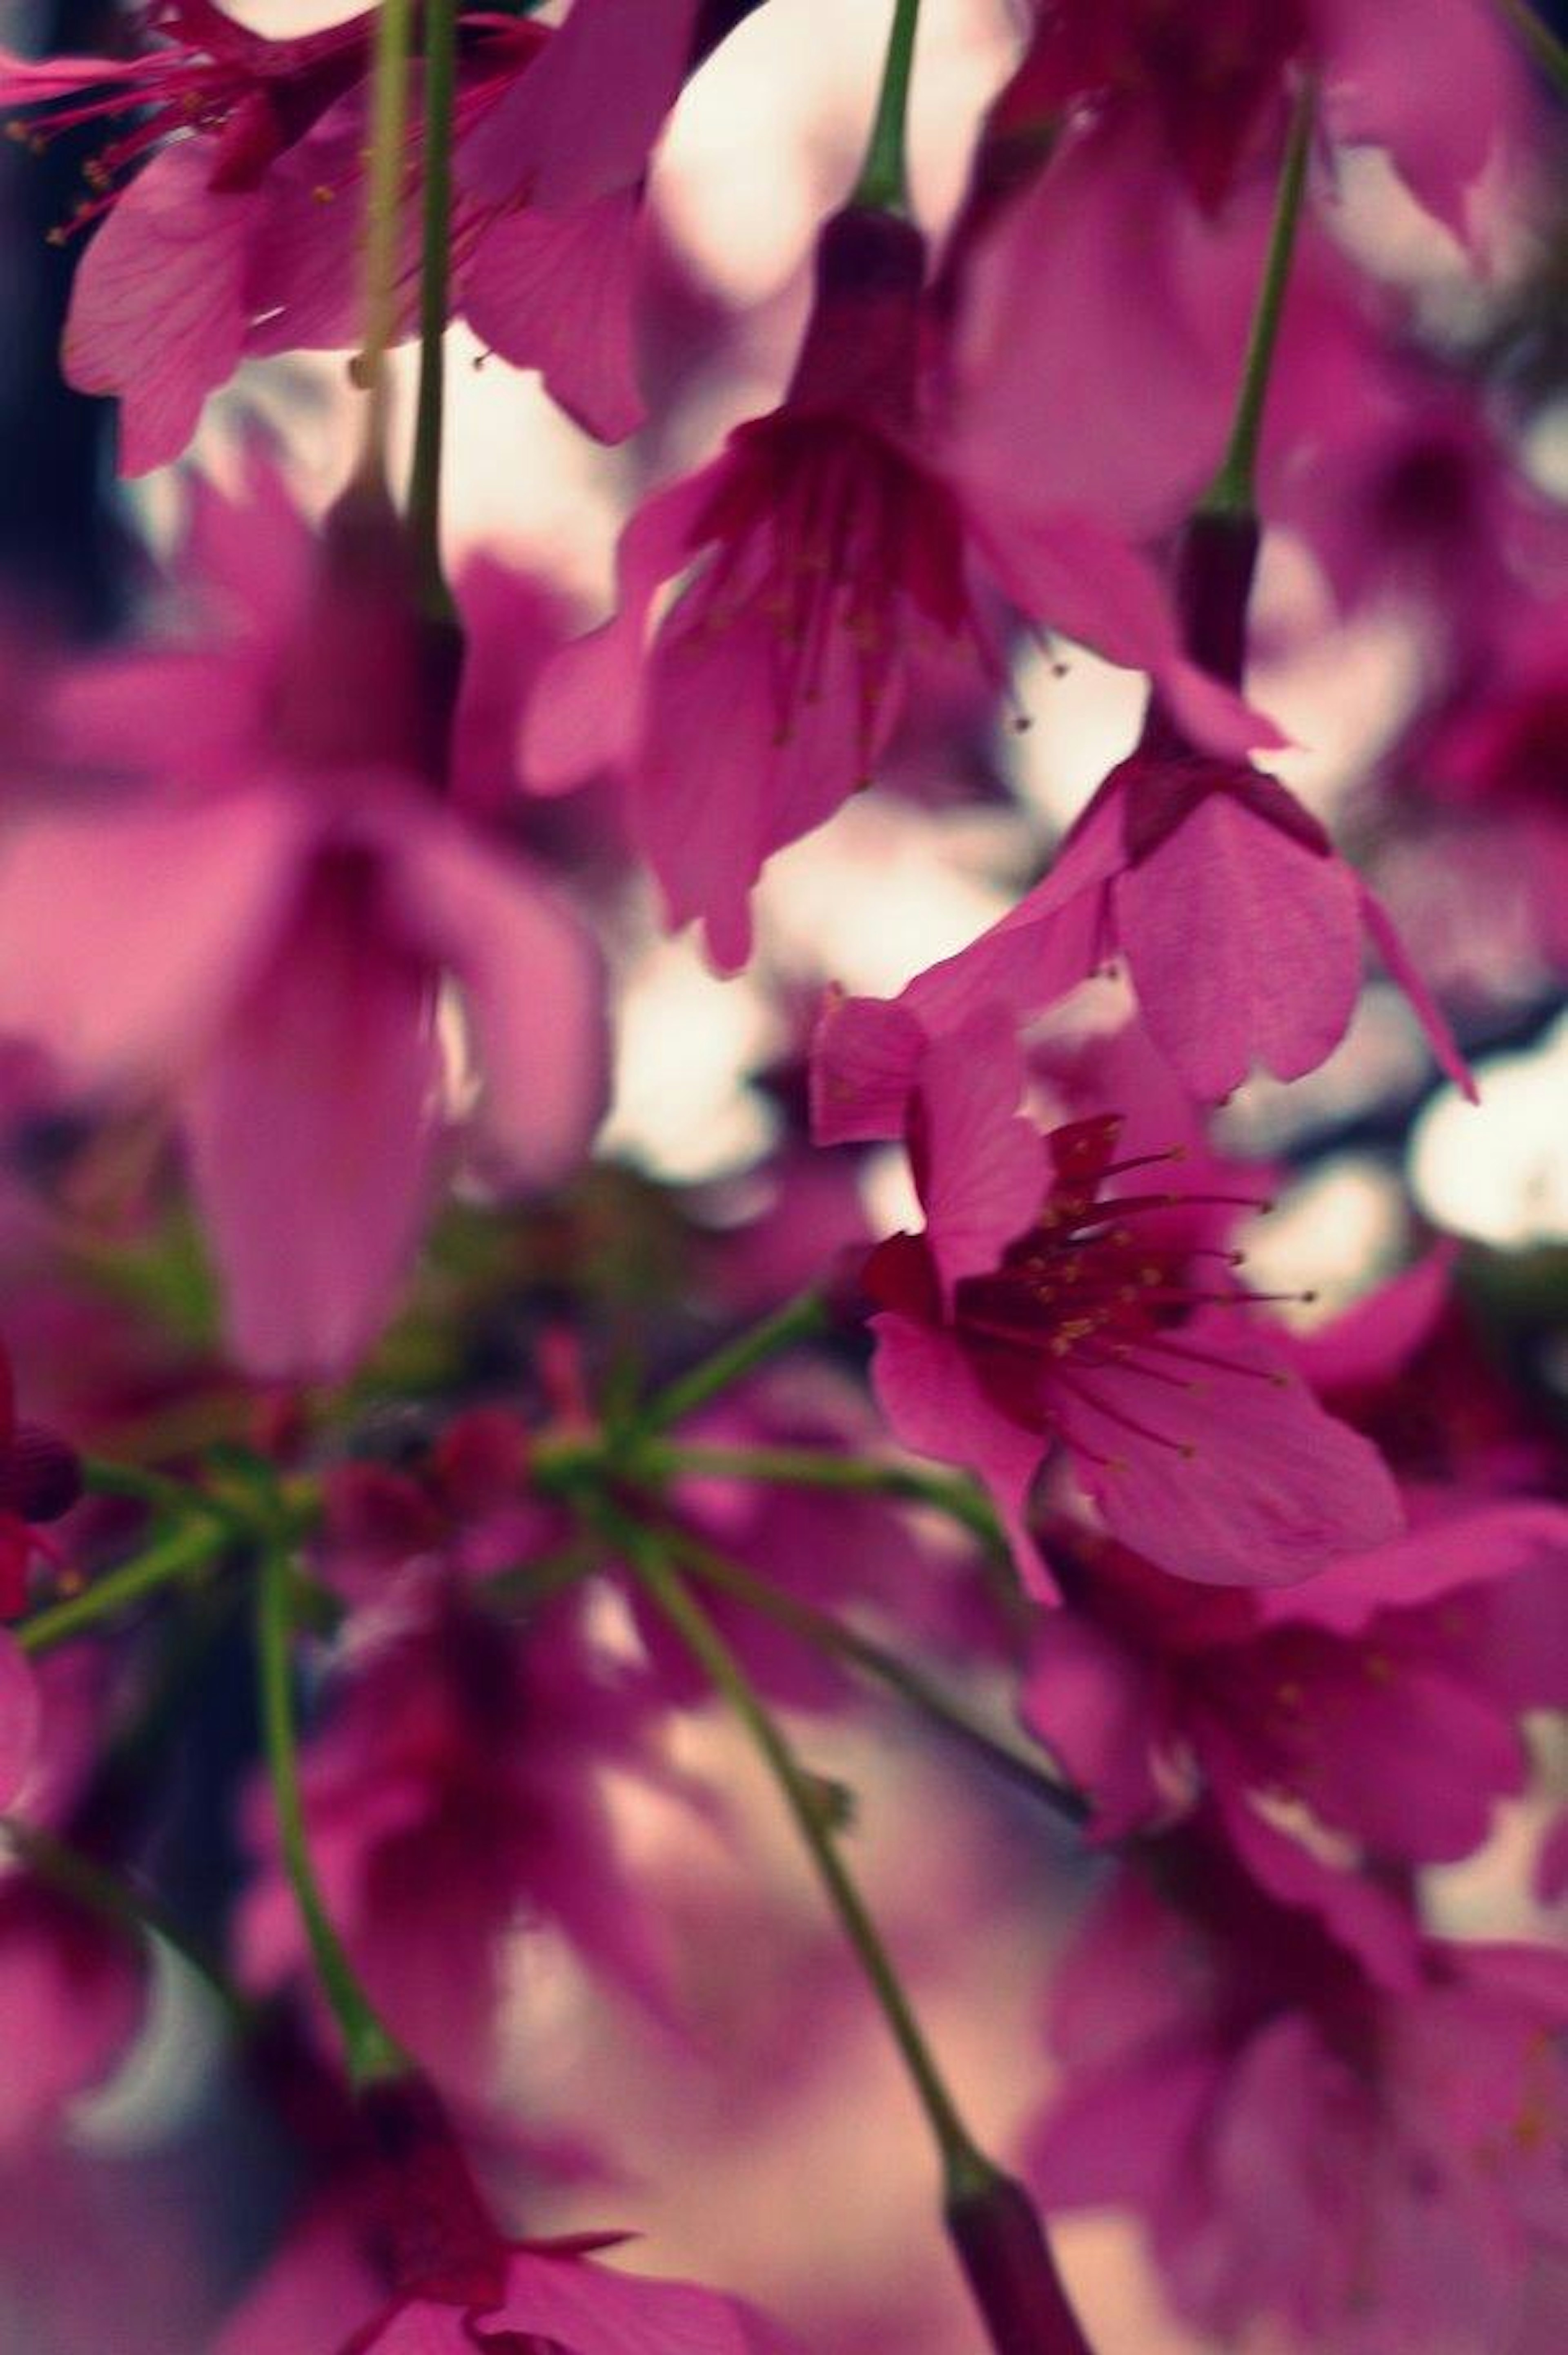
(258, 931)
(828, 544)
(1360, 2168)
(1035, 1310)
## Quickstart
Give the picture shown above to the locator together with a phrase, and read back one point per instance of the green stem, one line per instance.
(101, 1478)
(812, 1467)
(77, 1876)
(962, 2159)
(425, 483)
(1549, 53)
(1233, 490)
(883, 181)
(181, 1554)
(370, 2051)
(383, 219)
(826, 1633)
(798, 1320)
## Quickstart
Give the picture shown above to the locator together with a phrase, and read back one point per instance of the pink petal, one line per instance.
(1119, 2135)
(158, 312)
(1219, 1467)
(533, 986)
(310, 1127)
(866, 1058)
(1359, 1914)
(1094, 1704)
(587, 2309)
(125, 932)
(579, 124)
(710, 804)
(588, 710)
(935, 1408)
(555, 291)
(1379, 1335)
(1386, 939)
(1072, 575)
(980, 1166)
(418, 2326)
(1244, 945)
(20, 1717)
(1481, 1546)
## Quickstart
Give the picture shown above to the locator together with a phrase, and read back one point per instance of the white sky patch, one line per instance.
(1500, 1172)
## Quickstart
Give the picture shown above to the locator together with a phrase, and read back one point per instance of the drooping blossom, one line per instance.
(1033, 1312)
(829, 541)
(1353, 2168)
(259, 931)
(1381, 1697)
(242, 239)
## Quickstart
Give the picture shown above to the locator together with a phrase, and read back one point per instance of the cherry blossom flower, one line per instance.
(454, 1792)
(1032, 1311)
(261, 934)
(1356, 2168)
(828, 543)
(240, 235)
(1382, 1696)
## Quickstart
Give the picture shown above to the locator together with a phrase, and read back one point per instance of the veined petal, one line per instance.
(554, 292)
(158, 312)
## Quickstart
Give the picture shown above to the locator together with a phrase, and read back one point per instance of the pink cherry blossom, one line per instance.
(162, 301)
(451, 1793)
(1033, 1312)
(1381, 1696)
(1240, 926)
(1352, 2169)
(260, 935)
(830, 542)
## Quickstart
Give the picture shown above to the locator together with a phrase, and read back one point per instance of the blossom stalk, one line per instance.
(1234, 489)
(384, 191)
(435, 274)
(370, 2051)
(883, 180)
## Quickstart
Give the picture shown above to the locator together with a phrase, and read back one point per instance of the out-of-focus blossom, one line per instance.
(1382, 1696)
(407, 2260)
(261, 930)
(455, 1793)
(1361, 2168)
(1032, 1312)
(828, 540)
(19, 1714)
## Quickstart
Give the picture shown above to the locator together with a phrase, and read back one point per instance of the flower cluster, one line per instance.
(431, 1475)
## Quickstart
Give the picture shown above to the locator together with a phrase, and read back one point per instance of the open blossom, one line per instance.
(239, 234)
(259, 935)
(1382, 1696)
(1354, 2169)
(1037, 1311)
(830, 542)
